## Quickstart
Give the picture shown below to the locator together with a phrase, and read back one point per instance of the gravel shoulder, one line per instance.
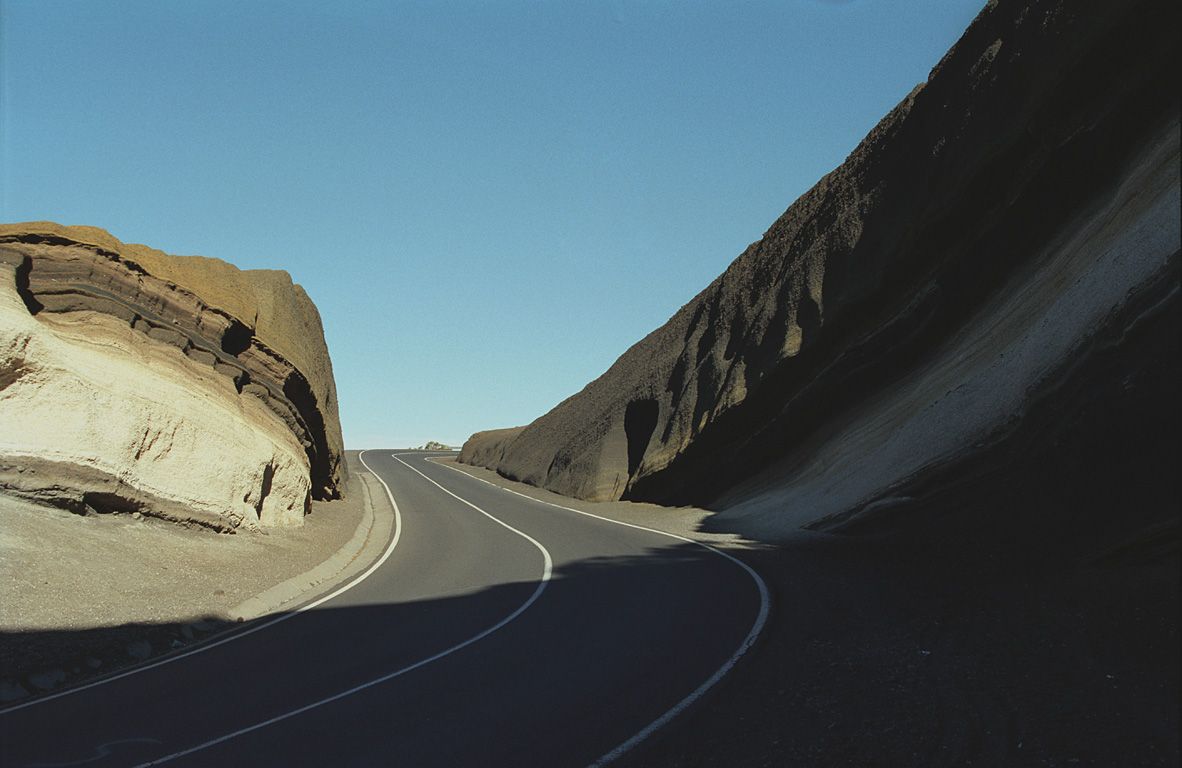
(80, 596)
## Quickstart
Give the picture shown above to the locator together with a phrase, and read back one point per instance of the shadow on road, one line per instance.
(579, 598)
(614, 641)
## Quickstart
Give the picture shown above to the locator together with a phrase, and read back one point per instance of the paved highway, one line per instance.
(496, 630)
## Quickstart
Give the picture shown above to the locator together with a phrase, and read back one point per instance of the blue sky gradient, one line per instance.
(488, 201)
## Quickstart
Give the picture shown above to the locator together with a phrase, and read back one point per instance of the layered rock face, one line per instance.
(176, 386)
(994, 264)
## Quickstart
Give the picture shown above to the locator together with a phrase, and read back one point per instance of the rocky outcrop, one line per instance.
(1012, 221)
(179, 386)
(486, 449)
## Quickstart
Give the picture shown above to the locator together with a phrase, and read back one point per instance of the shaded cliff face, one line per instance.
(1013, 219)
(173, 385)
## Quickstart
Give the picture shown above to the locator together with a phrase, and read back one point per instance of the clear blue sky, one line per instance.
(488, 201)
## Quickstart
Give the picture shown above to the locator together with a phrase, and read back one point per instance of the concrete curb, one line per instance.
(373, 530)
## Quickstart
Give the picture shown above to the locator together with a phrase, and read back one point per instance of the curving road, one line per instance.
(496, 630)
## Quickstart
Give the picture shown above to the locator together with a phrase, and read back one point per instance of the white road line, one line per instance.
(547, 571)
(101, 751)
(756, 628)
(243, 633)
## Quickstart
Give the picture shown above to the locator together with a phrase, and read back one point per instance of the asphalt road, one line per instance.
(497, 631)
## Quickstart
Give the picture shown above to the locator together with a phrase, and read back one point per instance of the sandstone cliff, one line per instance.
(176, 386)
(995, 264)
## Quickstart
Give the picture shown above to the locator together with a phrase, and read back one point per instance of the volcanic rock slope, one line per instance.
(992, 270)
(175, 386)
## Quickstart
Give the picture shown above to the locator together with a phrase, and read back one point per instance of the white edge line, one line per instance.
(748, 642)
(243, 633)
(547, 571)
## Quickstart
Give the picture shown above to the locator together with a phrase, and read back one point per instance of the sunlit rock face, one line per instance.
(1009, 224)
(176, 386)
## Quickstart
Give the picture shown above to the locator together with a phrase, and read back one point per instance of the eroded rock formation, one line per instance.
(176, 386)
(948, 289)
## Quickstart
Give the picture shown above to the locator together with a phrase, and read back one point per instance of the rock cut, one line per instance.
(181, 387)
(999, 252)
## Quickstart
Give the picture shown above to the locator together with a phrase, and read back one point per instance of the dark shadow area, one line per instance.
(640, 419)
(22, 286)
(906, 651)
(299, 393)
(237, 338)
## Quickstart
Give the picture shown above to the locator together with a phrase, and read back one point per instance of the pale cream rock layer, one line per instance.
(95, 412)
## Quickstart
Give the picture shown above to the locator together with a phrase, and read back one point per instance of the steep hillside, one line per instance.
(989, 279)
(177, 386)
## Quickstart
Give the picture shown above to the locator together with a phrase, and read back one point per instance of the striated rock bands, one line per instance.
(132, 380)
(1010, 220)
